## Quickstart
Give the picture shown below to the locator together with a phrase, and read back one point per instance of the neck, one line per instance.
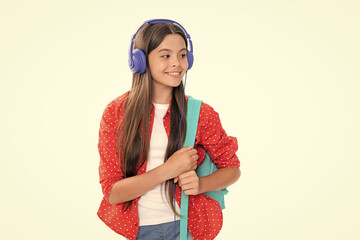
(161, 94)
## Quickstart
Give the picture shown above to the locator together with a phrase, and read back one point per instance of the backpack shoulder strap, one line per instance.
(192, 119)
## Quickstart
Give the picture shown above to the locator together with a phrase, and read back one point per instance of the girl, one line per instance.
(139, 136)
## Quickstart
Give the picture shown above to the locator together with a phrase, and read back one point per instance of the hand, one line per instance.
(189, 183)
(183, 160)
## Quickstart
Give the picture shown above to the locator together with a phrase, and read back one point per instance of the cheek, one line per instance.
(160, 68)
(185, 63)
(155, 70)
(156, 67)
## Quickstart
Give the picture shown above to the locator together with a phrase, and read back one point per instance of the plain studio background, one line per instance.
(283, 75)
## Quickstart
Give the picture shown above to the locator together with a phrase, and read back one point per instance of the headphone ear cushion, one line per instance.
(190, 59)
(139, 61)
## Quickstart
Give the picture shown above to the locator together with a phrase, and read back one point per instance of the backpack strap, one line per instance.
(192, 119)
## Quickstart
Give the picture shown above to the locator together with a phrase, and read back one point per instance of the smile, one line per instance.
(173, 74)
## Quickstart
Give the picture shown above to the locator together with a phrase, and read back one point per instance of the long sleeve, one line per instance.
(213, 138)
(109, 169)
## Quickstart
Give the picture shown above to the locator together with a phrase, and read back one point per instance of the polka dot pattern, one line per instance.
(205, 215)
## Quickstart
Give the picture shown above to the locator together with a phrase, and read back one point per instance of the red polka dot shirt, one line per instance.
(205, 217)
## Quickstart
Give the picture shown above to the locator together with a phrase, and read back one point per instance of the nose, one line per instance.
(175, 62)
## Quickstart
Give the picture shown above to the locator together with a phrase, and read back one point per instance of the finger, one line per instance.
(184, 181)
(186, 174)
(184, 149)
(194, 163)
(189, 191)
(193, 152)
(176, 179)
(194, 167)
(187, 177)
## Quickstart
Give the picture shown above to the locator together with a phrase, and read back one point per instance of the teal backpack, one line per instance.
(206, 168)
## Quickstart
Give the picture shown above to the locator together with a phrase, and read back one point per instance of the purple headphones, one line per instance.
(137, 58)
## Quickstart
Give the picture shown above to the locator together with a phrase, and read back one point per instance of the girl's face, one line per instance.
(168, 62)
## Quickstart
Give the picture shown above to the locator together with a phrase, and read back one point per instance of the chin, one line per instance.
(169, 82)
(177, 83)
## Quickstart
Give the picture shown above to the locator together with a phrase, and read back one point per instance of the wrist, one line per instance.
(201, 185)
(164, 172)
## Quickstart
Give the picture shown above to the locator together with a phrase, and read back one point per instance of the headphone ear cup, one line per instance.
(139, 61)
(190, 59)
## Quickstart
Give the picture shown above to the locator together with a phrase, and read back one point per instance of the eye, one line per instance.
(183, 55)
(165, 56)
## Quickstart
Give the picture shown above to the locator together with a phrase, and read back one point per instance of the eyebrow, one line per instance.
(165, 49)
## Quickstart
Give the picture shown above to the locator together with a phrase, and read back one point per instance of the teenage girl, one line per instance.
(139, 139)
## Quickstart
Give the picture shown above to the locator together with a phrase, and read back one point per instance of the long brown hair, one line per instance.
(134, 131)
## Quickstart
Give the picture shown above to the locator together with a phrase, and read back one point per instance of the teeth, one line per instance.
(174, 73)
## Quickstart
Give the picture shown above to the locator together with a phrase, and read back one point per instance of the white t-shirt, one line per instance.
(153, 206)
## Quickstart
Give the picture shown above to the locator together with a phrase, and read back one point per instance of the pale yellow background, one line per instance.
(284, 76)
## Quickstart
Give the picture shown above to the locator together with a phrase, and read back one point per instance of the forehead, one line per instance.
(172, 42)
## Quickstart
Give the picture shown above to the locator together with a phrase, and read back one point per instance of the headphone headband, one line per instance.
(137, 59)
